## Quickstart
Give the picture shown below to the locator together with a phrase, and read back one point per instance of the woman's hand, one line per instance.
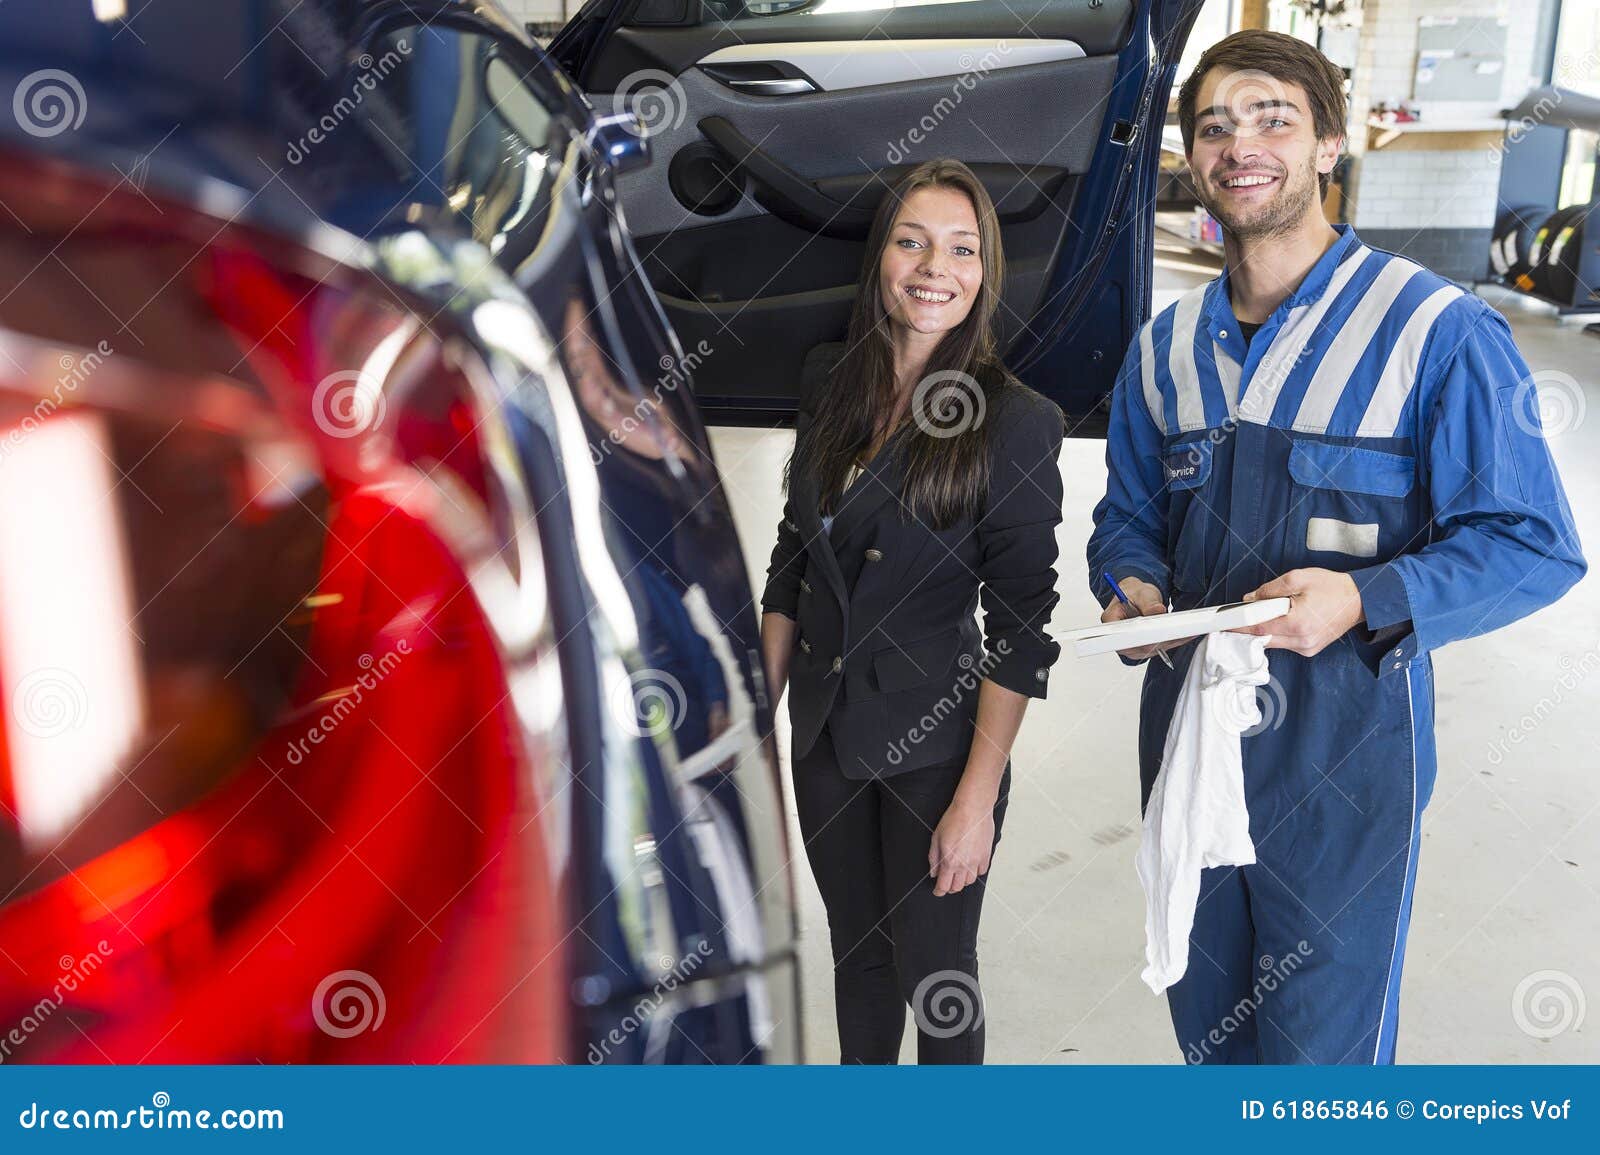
(962, 843)
(777, 643)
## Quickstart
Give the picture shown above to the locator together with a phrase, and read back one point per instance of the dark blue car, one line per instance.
(360, 351)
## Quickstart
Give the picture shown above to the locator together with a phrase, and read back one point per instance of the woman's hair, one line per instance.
(945, 446)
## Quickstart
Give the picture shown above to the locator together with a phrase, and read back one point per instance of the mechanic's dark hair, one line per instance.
(1281, 57)
(946, 443)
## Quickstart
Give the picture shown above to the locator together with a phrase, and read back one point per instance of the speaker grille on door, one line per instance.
(704, 180)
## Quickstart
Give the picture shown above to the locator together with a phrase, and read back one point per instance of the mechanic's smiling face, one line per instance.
(931, 269)
(1255, 155)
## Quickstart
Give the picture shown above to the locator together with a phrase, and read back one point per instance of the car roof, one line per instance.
(191, 93)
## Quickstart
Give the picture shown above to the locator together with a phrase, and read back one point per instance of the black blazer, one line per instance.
(888, 651)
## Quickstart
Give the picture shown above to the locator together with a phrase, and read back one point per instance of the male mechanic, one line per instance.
(1336, 425)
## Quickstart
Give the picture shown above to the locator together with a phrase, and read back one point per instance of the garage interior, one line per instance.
(1445, 160)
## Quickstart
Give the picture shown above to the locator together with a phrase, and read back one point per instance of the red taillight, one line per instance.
(268, 797)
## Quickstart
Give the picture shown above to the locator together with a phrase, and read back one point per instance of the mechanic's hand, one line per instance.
(1147, 600)
(962, 843)
(1326, 604)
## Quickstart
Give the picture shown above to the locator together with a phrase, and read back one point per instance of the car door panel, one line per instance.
(1099, 30)
(775, 138)
(742, 288)
(831, 65)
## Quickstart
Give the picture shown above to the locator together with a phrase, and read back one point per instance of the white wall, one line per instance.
(1429, 189)
(527, 10)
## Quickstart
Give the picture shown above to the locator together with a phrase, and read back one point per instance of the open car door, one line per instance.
(776, 127)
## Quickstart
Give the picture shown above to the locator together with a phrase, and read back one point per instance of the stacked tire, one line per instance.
(1518, 241)
(1555, 276)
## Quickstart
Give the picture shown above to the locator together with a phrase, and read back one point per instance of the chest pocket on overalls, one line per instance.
(1352, 507)
(1186, 467)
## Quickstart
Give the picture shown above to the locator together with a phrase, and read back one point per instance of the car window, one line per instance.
(739, 9)
(672, 12)
(468, 128)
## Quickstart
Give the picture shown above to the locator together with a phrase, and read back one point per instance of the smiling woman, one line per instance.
(934, 257)
(923, 478)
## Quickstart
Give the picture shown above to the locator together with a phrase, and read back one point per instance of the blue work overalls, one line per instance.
(1382, 423)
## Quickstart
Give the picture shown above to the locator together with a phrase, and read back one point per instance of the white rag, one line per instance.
(1196, 816)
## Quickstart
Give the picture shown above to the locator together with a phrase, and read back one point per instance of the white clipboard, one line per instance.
(1130, 633)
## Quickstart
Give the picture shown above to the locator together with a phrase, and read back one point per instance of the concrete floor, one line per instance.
(1506, 929)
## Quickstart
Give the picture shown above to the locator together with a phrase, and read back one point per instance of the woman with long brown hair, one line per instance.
(923, 481)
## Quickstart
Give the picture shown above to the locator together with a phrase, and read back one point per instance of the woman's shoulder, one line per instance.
(1018, 411)
(1024, 453)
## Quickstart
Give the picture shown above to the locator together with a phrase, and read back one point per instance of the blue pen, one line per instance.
(1123, 598)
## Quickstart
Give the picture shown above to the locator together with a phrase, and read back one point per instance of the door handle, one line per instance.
(761, 77)
(782, 86)
(782, 191)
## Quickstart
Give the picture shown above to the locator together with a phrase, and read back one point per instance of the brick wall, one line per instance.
(1433, 205)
